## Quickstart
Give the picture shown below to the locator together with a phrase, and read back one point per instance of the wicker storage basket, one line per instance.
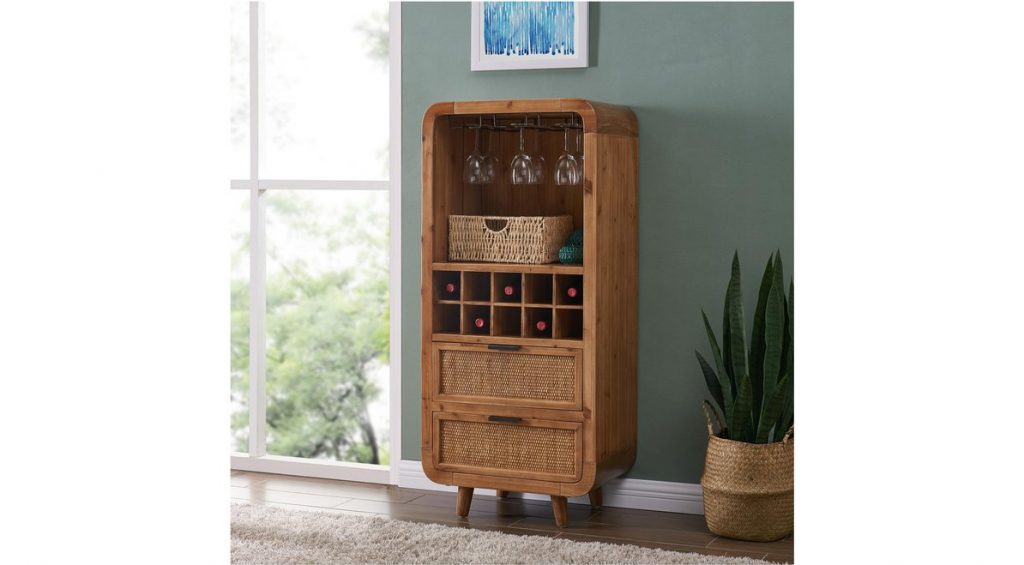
(748, 487)
(507, 239)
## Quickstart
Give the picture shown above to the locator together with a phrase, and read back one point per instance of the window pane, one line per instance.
(327, 325)
(326, 91)
(239, 97)
(239, 222)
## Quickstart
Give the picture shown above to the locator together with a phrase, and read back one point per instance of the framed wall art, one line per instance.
(528, 35)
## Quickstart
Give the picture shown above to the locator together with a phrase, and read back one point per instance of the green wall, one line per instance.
(712, 88)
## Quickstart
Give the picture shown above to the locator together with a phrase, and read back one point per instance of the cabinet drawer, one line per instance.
(543, 377)
(504, 446)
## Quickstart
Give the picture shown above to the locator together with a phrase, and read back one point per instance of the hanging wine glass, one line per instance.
(537, 157)
(568, 170)
(491, 164)
(578, 135)
(522, 163)
(476, 169)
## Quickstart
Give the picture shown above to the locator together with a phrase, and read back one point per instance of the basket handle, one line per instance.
(708, 410)
(788, 436)
(488, 222)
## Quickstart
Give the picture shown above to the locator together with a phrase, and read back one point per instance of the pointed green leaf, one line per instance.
(774, 331)
(787, 411)
(757, 336)
(737, 323)
(776, 433)
(721, 421)
(739, 425)
(786, 418)
(791, 299)
(773, 406)
(727, 342)
(712, 380)
(782, 428)
(725, 378)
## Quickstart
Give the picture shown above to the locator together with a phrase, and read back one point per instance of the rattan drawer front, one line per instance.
(533, 449)
(531, 376)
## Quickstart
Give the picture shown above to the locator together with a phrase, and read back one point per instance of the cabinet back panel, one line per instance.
(500, 198)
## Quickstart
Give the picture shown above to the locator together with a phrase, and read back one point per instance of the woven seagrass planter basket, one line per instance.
(748, 488)
(507, 239)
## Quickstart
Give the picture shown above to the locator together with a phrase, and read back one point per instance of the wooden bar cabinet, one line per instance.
(505, 406)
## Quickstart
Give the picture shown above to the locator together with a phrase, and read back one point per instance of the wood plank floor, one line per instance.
(665, 530)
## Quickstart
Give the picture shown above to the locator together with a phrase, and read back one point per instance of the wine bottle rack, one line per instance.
(482, 295)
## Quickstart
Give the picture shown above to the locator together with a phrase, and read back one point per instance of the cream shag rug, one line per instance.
(262, 534)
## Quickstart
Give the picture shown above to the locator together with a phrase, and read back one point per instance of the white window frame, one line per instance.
(257, 459)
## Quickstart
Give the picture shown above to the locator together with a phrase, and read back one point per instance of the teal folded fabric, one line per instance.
(571, 254)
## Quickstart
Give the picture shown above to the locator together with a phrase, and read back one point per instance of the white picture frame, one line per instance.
(481, 61)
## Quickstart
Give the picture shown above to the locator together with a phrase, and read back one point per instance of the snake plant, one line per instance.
(753, 387)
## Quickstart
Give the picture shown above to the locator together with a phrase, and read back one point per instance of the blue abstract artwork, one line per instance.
(525, 29)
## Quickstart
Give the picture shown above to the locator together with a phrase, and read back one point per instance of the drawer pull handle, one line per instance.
(504, 347)
(506, 419)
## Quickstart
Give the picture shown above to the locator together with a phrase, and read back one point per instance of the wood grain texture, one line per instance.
(504, 268)
(615, 328)
(558, 505)
(427, 252)
(514, 484)
(464, 501)
(600, 331)
(486, 339)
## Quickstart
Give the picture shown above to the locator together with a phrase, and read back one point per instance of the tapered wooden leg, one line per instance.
(463, 501)
(560, 509)
(501, 493)
(595, 498)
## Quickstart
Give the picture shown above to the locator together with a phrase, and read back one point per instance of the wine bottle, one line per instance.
(450, 288)
(480, 322)
(572, 292)
(541, 325)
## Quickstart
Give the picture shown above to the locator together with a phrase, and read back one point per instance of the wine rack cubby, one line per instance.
(568, 323)
(539, 288)
(447, 318)
(508, 287)
(508, 304)
(477, 287)
(507, 320)
(447, 286)
(569, 290)
(476, 319)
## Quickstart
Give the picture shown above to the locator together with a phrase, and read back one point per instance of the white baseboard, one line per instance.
(684, 498)
(319, 468)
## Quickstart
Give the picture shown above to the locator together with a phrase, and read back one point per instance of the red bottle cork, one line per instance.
(541, 325)
(450, 288)
(509, 290)
(572, 292)
(479, 322)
